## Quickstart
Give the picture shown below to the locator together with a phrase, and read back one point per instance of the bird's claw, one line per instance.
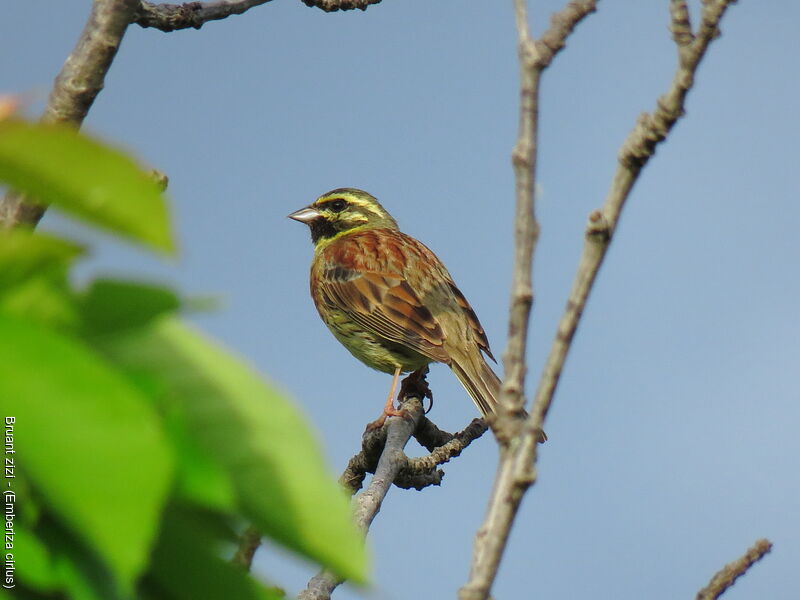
(387, 412)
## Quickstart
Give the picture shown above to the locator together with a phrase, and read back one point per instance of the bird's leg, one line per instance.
(388, 409)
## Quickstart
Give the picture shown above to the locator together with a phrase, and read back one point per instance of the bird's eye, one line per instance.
(338, 205)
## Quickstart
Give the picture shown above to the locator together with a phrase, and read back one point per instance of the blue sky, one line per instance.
(673, 436)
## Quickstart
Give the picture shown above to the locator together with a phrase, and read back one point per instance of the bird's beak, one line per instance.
(305, 215)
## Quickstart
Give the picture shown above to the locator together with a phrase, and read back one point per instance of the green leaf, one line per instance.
(111, 305)
(33, 560)
(24, 254)
(64, 564)
(52, 563)
(33, 278)
(91, 442)
(273, 460)
(187, 566)
(56, 164)
(200, 479)
(44, 298)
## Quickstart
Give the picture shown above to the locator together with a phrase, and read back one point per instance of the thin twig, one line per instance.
(249, 542)
(727, 576)
(681, 26)
(421, 472)
(75, 89)
(526, 232)
(534, 57)
(512, 481)
(171, 17)
(450, 449)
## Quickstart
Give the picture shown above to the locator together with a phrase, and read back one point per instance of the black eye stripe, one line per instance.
(338, 205)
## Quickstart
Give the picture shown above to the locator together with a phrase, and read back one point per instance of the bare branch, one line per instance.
(430, 436)
(526, 233)
(334, 5)
(637, 149)
(368, 502)
(681, 26)
(320, 587)
(75, 89)
(83, 74)
(392, 460)
(534, 57)
(517, 468)
(727, 576)
(382, 452)
(512, 481)
(421, 472)
(450, 449)
(366, 461)
(171, 17)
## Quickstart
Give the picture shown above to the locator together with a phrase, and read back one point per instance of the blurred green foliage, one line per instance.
(141, 445)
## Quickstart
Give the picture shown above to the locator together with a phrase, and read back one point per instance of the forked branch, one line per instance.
(534, 57)
(513, 477)
(367, 504)
(382, 454)
(517, 470)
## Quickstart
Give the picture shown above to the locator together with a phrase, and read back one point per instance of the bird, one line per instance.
(389, 300)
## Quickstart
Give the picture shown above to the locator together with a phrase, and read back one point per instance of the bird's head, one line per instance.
(341, 211)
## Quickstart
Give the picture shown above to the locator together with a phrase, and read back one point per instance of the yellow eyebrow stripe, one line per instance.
(355, 200)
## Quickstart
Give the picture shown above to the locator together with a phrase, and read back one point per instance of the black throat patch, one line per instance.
(321, 228)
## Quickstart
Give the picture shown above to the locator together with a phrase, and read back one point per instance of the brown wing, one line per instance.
(386, 304)
(472, 319)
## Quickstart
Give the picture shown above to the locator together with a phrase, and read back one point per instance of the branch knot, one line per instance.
(598, 228)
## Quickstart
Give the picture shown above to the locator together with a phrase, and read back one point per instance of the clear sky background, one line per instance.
(673, 436)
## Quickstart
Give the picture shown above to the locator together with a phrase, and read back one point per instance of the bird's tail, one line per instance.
(482, 385)
(479, 380)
